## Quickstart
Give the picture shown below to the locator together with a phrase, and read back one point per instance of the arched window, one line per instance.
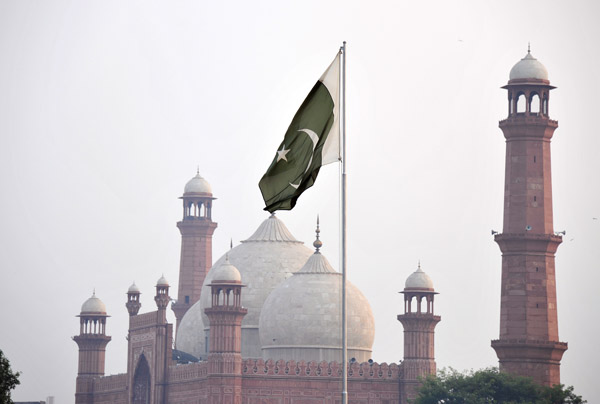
(534, 104)
(545, 106)
(520, 103)
(141, 382)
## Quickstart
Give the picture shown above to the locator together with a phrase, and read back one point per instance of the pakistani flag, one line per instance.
(312, 140)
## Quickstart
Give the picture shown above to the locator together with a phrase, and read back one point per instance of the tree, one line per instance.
(490, 386)
(8, 380)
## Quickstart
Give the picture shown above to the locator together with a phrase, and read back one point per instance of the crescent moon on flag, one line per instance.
(315, 139)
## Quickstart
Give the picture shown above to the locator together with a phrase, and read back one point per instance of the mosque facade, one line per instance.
(263, 323)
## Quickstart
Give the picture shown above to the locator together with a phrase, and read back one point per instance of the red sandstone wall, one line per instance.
(289, 383)
(111, 389)
(187, 384)
(318, 383)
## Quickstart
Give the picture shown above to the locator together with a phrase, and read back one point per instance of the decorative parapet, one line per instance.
(143, 320)
(189, 371)
(356, 370)
(110, 383)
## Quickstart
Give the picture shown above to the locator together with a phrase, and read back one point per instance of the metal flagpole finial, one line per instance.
(317, 244)
(230, 248)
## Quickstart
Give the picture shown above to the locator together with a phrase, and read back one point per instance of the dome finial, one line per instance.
(198, 169)
(317, 244)
(230, 248)
(528, 47)
(419, 266)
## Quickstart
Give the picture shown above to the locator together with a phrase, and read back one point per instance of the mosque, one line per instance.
(263, 323)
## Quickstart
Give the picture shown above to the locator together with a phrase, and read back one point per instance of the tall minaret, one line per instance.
(92, 341)
(196, 229)
(225, 352)
(419, 324)
(528, 344)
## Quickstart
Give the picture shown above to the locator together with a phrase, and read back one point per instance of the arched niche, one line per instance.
(141, 382)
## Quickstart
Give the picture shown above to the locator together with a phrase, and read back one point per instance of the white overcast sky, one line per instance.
(108, 107)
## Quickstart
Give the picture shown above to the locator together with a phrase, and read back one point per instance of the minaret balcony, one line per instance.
(528, 242)
(522, 118)
(522, 126)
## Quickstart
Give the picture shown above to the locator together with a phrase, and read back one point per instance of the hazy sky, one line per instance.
(108, 107)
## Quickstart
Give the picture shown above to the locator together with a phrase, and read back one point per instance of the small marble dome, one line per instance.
(528, 68)
(227, 273)
(197, 185)
(264, 260)
(301, 318)
(419, 280)
(93, 305)
(133, 288)
(162, 281)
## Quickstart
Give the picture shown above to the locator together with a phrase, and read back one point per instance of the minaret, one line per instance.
(528, 344)
(225, 351)
(92, 341)
(163, 340)
(419, 324)
(196, 229)
(133, 300)
(162, 299)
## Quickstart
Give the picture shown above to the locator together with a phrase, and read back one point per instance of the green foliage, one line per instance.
(489, 386)
(8, 380)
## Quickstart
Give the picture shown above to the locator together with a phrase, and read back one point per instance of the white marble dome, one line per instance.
(301, 318)
(528, 68)
(133, 288)
(93, 305)
(162, 281)
(227, 273)
(197, 185)
(264, 260)
(418, 280)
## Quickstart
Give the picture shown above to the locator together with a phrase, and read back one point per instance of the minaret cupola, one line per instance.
(197, 199)
(528, 88)
(133, 300)
(162, 293)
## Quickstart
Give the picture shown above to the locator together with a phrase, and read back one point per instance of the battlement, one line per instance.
(356, 370)
(190, 371)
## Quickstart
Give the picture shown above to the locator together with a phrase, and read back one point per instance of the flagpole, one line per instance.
(344, 325)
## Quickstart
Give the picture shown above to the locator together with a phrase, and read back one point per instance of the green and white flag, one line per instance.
(312, 140)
